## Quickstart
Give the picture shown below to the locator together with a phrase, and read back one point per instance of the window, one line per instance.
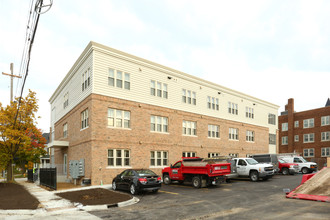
(296, 124)
(117, 78)
(210, 155)
(66, 100)
(232, 108)
(233, 155)
(86, 77)
(285, 140)
(284, 126)
(325, 120)
(189, 97)
(65, 130)
(161, 90)
(118, 158)
(325, 152)
(296, 138)
(250, 136)
(84, 119)
(272, 139)
(271, 119)
(188, 154)
(309, 152)
(325, 136)
(213, 103)
(189, 128)
(119, 118)
(158, 158)
(159, 124)
(233, 134)
(309, 123)
(308, 138)
(213, 131)
(249, 112)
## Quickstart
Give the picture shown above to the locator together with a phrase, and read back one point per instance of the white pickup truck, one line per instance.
(304, 166)
(249, 167)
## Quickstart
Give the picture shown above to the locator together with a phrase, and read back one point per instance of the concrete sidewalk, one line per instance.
(55, 207)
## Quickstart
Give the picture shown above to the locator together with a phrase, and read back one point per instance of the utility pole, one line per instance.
(11, 80)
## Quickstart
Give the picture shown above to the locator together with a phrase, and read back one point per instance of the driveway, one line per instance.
(240, 199)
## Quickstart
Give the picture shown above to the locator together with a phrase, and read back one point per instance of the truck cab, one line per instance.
(304, 166)
(249, 167)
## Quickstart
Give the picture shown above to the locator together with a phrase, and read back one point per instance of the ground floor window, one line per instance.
(210, 155)
(325, 151)
(118, 157)
(188, 154)
(158, 158)
(233, 155)
(309, 152)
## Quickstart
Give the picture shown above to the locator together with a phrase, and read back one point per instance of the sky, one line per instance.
(272, 50)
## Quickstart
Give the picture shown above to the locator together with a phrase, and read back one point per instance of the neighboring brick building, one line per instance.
(117, 111)
(306, 133)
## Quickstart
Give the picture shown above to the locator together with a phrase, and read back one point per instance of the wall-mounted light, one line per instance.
(219, 93)
(169, 77)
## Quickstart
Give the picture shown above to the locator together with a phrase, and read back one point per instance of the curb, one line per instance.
(132, 201)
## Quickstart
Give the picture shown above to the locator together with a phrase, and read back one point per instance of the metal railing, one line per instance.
(48, 177)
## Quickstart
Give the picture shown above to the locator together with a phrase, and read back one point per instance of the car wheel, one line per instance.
(304, 170)
(285, 171)
(196, 182)
(132, 189)
(114, 186)
(167, 179)
(254, 176)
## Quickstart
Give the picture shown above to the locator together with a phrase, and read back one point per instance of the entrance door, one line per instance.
(65, 164)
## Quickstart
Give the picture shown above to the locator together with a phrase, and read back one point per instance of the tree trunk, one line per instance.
(10, 176)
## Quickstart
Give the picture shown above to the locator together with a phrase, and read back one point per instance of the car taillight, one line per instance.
(143, 180)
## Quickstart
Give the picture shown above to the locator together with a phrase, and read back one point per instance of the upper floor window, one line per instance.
(119, 79)
(158, 89)
(296, 124)
(66, 100)
(159, 124)
(213, 103)
(65, 130)
(86, 78)
(308, 138)
(272, 139)
(325, 152)
(189, 128)
(213, 131)
(285, 140)
(250, 136)
(296, 138)
(84, 119)
(284, 126)
(309, 152)
(249, 112)
(309, 123)
(325, 120)
(325, 136)
(233, 134)
(188, 97)
(118, 158)
(271, 119)
(233, 108)
(119, 118)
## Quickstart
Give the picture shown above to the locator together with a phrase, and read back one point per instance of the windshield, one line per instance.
(145, 173)
(251, 161)
(303, 160)
(281, 161)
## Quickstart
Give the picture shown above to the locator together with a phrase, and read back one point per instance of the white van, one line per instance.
(304, 166)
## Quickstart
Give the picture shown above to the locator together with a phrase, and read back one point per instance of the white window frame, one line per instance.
(118, 118)
(309, 123)
(233, 155)
(158, 89)
(271, 119)
(309, 138)
(249, 112)
(158, 124)
(296, 138)
(213, 131)
(189, 128)
(189, 97)
(296, 124)
(285, 126)
(66, 100)
(285, 140)
(272, 139)
(232, 108)
(213, 154)
(325, 120)
(124, 160)
(86, 77)
(158, 158)
(325, 136)
(325, 152)
(84, 119)
(249, 136)
(309, 152)
(212, 103)
(233, 134)
(189, 154)
(119, 79)
(65, 130)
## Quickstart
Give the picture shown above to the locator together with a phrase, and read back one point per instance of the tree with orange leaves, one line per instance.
(20, 140)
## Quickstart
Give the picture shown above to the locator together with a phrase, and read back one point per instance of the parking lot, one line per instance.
(240, 199)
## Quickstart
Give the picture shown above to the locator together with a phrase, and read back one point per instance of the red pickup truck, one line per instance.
(194, 169)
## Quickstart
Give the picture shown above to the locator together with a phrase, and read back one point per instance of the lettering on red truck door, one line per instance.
(176, 171)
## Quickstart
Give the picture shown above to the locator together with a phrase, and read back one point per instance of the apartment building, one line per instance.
(306, 133)
(119, 111)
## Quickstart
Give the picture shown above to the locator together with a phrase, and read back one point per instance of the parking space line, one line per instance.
(173, 193)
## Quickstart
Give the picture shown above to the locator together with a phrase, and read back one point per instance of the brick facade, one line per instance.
(290, 116)
(93, 143)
